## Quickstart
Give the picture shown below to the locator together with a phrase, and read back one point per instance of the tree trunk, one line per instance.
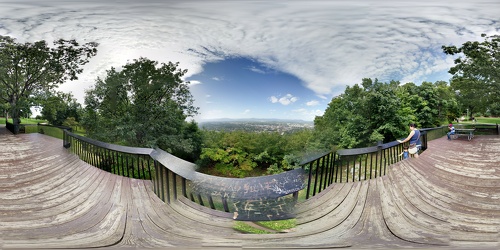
(15, 115)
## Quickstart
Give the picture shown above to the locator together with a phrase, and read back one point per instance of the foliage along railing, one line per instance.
(255, 198)
(37, 128)
(349, 165)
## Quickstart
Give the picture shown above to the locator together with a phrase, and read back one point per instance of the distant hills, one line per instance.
(256, 125)
(254, 120)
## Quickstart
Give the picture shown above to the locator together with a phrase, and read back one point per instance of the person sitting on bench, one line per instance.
(452, 131)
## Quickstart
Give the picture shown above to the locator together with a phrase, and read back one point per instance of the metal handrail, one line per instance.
(358, 164)
(173, 177)
(252, 198)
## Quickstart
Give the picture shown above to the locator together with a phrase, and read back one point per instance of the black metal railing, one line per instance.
(349, 165)
(254, 198)
(31, 128)
(121, 160)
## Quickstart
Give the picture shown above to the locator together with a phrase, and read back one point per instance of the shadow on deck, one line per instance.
(449, 197)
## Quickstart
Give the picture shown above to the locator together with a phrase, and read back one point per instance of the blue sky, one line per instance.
(261, 59)
(244, 88)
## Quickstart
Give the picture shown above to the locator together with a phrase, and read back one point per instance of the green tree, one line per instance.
(428, 109)
(409, 100)
(144, 105)
(376, 111)
(380, 110)
(343, 124)
(361, 116)
(28, 68)
(70, 122)
(241, 153)
(4, 109)
(448, 109)
(59, 106)
(476, 74)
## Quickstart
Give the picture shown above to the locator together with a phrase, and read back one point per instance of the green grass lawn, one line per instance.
(28, 120)
(481, 120)
(265, 227)
(52, 132)
(79, 130)
(491, 120)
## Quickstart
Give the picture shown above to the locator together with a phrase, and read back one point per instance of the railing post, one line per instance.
(211, 201)
(316, 177)
(377, 163)
(167, 180)
(184, 192)
(309, 180)
(339, 169)
(174, 185)
(323, 159)
(224, 203)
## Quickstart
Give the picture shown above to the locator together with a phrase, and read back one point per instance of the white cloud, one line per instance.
(326, 44)
(256, 70)
(307, 114)
(285, 100)
(312, 103)
(217, 78)
(194, 82)
(247, 111)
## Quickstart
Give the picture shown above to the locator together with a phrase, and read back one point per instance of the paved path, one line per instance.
(447, 198)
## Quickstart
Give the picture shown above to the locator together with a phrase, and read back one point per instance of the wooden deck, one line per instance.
(449, 197)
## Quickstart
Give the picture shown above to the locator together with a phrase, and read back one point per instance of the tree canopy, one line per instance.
(374, 111)
(58, 106)
(144, 105)
(242, 154)
(29, 68)
(476, 74)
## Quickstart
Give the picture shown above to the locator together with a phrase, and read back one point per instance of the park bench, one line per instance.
(469, 132)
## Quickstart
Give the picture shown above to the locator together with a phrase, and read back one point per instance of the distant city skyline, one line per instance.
(261, 59)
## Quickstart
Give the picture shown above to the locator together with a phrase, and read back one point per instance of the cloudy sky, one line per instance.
(261, 59)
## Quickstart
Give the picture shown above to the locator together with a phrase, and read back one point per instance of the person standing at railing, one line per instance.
(414, 138)
(452, 131)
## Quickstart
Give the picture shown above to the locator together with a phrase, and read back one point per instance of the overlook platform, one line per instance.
(447, 198)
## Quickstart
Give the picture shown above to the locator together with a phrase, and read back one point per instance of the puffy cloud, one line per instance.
(285, 100)
(326, 44)
(194, 82)
(312, 103)
(307, 114)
